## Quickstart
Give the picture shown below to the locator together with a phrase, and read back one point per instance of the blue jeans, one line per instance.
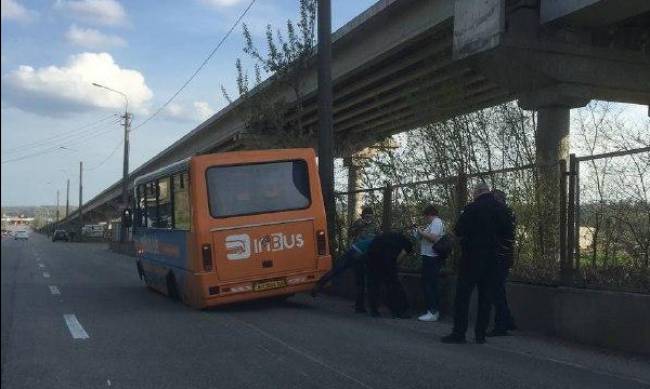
(430, 272)
(351, 259)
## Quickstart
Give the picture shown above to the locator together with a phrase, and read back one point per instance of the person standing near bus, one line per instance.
(431, 261)
(362, 229)
(503, 320)
(384, 254)
(481, 228)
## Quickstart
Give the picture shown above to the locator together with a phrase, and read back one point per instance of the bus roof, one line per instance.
(175, 167)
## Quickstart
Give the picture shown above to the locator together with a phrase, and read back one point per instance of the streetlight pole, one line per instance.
(325, 101)
(67, 193)
(125, 163)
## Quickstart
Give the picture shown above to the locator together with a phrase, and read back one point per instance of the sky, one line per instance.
(53, 50)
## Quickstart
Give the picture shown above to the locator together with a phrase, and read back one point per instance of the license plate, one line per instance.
(269, 284)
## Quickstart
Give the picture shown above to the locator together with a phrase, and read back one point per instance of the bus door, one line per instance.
(266, 220)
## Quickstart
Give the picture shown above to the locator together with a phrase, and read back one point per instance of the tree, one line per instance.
(273, 117)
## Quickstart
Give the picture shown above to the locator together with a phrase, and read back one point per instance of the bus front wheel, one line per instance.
(172, 289)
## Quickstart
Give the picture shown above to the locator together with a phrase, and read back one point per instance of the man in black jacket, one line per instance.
(503, 320)
(382, 256)
(481, 228)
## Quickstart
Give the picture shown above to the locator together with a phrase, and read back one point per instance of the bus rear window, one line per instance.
(258, 188)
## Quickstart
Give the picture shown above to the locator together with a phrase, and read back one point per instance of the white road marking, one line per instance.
(41, 265)
(76, 330)
(46, 274)
(54, 290)
(108, 382)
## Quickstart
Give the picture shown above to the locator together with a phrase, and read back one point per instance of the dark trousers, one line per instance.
(468, 279)
(430, 273)
(351, 259)
(503, 319)
(384, 285)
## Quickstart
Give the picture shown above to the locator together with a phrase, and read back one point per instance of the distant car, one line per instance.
(60, 235)
(23, 235)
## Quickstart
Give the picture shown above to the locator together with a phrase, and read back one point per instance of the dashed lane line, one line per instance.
(76, 329)
(46, 274)
(54, 290)
(41, 265)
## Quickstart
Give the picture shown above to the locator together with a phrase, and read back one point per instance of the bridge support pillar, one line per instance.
(552, 146)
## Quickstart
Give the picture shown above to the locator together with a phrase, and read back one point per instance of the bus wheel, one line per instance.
(140, 270)
(280, 299)
(172, 289)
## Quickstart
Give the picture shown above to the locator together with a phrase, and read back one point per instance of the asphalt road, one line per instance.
(137, 338)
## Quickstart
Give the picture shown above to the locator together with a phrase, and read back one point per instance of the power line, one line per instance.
(117, 147)
(51, 149)
(58, 137)
(205, 61)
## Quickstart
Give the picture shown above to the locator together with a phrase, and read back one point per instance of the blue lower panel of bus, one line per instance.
(163, 251)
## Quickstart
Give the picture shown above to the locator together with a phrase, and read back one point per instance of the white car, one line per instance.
(21, 235)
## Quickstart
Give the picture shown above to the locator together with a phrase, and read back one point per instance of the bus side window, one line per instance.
(181, 202)
(164, 204)
(152, 208)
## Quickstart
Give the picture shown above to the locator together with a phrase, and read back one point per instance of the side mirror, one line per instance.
(127, 218)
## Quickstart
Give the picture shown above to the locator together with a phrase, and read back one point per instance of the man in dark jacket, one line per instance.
(503, 320)
(382, 256)
(481, 228)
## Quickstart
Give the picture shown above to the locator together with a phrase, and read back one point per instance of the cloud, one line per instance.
(57, 91)
(103, 12)
(199, 112)
(203, 110)
(12, 10)
(221, 3)
(93, 39)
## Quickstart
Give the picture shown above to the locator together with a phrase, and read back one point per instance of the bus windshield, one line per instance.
(258, 188)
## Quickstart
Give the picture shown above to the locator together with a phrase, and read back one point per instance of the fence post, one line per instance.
(571, 213)
(387, 216)
(564, 268)
(576, 263)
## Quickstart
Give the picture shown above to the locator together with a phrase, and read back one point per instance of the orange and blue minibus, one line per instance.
(229, 227)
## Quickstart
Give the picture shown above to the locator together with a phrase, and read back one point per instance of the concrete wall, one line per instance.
(614, 320)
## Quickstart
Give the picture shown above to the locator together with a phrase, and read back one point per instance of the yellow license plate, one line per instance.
(269, 284)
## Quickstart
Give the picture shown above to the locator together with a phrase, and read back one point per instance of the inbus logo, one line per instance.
(239, 246)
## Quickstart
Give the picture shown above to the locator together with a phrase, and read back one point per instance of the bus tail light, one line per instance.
(321, 242)
(207, 257)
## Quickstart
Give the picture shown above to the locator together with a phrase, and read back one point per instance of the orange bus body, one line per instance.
(237, 257)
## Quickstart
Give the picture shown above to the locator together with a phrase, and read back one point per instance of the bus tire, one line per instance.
(140, 270)
(172, 288)
(282, 298)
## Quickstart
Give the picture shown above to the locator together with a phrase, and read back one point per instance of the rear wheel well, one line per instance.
(138, 264)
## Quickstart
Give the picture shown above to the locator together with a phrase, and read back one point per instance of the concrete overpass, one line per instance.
(406, 63)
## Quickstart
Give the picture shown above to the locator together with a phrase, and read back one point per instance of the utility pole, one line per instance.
(325, 132)
(67, 198)
(58, 216)
(125, 172)
(125, 164)
(81, 215)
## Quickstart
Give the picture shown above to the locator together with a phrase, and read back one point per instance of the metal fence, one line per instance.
(608, 220)
(615, 257)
